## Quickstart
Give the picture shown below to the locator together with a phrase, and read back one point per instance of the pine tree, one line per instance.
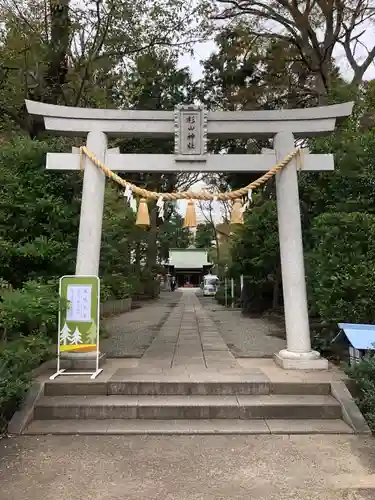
(92, 334)
(65, 335)
(76, 337)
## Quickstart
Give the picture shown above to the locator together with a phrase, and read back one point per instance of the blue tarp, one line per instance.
(361, 337)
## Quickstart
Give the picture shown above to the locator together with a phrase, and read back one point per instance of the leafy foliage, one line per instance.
(341, 267)
(115, 286)
(297, 24)
(172, 234)
(255, 254)
(29, 310)
(347, 195)
(39, 213)
(80, 53)
(17, 360)
(119, 234)
(204, 236)
(224, 293)
(363, 374)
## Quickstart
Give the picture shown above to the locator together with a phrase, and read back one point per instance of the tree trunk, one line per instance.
(56, 64)
(57, 68)
(217, 246)
(137, 263)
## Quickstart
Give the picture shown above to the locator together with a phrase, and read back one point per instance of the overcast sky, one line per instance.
(203, 50)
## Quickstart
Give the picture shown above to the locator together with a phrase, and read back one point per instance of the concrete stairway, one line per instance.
(188, 382)
(184, 406)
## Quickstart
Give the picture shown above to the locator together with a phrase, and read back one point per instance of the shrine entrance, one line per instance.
(191, 125)
(189, 278)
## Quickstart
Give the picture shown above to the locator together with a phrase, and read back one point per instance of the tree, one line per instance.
(345, 196)
(341, 266)
(65, 335)
(37, 52)
(119, 233)
(79, 53)
(172, 234)
(91, 334)
(255, 254)
(38, 226)
(246, 73)
(342, 24)
(204, 236)
(76, 337)
(241, 74)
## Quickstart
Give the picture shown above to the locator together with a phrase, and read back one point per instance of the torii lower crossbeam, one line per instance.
(167, 163)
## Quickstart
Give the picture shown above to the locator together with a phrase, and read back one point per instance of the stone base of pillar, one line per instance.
(300, 360)
(81, 361)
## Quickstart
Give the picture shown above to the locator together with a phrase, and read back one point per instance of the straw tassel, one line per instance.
(190, 217)
(143, 216)
(237, 212)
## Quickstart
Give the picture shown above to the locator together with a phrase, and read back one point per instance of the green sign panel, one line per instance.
(79, 314)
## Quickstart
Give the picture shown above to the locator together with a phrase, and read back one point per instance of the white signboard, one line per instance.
(79, 297)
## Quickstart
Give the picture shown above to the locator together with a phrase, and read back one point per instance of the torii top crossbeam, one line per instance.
(306, 122)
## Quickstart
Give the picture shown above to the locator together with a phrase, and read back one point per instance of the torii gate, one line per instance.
(190, 125)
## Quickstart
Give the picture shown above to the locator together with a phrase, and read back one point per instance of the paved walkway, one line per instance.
(188, 338)
(183, 326)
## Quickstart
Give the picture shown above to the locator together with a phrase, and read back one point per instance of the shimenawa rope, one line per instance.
(188, 195)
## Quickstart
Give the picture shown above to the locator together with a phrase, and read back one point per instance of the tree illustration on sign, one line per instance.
(91, 333)
(65, 335)
(76, 337)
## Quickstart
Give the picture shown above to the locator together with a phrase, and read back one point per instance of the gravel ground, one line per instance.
(187, 468)
(131, 333)
(245, 337)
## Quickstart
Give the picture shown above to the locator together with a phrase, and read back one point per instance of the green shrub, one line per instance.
(30, 309)
(136, 285)
(38, 229)
(220, 296)
(28, 324)
(17, 360)
(363, 374)
(105, 291)
(151, 287)
(115, 286)
(145, 286)
(126, 290)
(341, 268)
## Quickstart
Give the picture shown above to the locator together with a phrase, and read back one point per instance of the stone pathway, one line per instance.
(188, 339)
(182, 327)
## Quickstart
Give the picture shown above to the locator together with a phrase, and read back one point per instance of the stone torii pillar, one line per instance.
(190, 125)
(92, 204)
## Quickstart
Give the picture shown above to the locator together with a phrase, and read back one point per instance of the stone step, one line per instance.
(231, 386)
(176, 427)
(187, 407)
